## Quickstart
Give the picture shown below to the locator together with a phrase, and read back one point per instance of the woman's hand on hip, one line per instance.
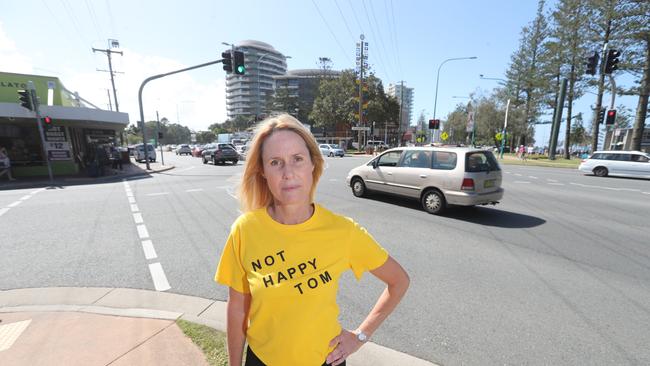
(346, 343)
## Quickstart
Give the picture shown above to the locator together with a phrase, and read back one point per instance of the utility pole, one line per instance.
(601, 88)
(361, 60)
(108, 53)
(401, 108)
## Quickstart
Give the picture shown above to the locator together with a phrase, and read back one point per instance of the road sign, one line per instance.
(444, 136)
(360, 128)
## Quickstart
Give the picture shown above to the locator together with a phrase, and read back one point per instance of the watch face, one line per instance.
(362, 337)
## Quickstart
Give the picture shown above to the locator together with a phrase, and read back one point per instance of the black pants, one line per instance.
(252, 360)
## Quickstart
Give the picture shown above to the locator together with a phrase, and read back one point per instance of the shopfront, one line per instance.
(78, 133)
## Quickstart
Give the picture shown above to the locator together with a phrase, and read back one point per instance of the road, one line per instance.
(558, 273)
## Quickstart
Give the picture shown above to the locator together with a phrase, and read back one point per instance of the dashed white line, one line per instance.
(143, 233)
(194, 190)
(555, 184)
(158, 276)
(157, 194)
(645, 192)
(137, 217)
(149, 251)
(521, 182)
(590, 186)
(551, 180)
(129, 194)
(3, 210)
(23, 198)
(14, 204)
(134, 208)
(517, 174)
(333, 180)
(131, 199)
(531, 177)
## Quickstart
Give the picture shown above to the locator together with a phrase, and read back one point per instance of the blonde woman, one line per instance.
(284, 257)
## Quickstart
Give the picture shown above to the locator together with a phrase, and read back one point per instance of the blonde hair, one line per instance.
(254, 193)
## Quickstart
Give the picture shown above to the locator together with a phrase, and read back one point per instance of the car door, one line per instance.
(412, 173)
(378, 177)
(640, 165)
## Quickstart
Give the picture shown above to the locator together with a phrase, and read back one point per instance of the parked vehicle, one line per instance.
(220, 153)
(634, 164)
(183, 149)
(377, 144)
(197, 151)
(331, 150)
(436, 176)
(138, 153)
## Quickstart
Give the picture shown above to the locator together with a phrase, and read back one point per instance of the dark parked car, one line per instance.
(220, 153)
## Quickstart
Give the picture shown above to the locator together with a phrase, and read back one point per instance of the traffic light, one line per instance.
(227, 61)
(434, 124)
(612, 61)
(160, 135)
(611, 117)
(47, 120)
(25, 97)
(239, 66)
(601, 115)
(592, 64)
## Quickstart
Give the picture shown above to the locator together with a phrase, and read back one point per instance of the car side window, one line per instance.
(640, 158)
(622, 157)
(416, 159)
(389, 159)
(444, 160)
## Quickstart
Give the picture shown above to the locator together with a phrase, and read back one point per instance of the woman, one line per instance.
(284, 257)
(5, 163)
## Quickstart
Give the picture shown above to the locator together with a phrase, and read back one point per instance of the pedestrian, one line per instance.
(284, 257)
(116, 158)
(5, 163)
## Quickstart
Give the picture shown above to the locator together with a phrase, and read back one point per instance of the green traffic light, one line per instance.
(241, 69)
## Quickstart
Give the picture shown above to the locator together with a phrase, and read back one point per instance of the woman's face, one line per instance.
(287, 168)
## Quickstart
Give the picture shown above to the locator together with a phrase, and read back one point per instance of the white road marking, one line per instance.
(143, 233)
(14, 204)
(186, 169)
(131, 199)
(23, 198)
(159, 278)
(129, 194)
(531, 177)
(556, 184)
(521, 181)
(229, 191)
(38, 190)
(194, 190)
(3, 210)
(551, 180)
(149, 251)
(517, 174)
(134, 208)
(138, 218)
(333, 180)
(157, 194)
(645, 192)
(10, 332)
(590, 186)
(508, 173)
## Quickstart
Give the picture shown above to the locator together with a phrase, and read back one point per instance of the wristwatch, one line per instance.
(362, 337)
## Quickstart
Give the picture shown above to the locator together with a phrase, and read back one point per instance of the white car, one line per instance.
(138, 153)
(331, 150)
(436, 176)
(635, 164)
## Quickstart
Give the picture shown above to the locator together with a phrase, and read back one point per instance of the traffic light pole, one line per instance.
(144, 136)
(35, 106)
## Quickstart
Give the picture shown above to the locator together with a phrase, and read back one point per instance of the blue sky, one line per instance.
(407, 41)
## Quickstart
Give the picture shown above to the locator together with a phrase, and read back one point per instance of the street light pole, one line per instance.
(435, 103)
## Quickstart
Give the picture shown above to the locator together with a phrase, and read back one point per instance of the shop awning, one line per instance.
(87, 116)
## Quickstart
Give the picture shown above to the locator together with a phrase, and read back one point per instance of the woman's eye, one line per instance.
(274, 162)
(299, 158)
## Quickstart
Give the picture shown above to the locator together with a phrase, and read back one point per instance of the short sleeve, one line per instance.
(230, 271)
(365, 253)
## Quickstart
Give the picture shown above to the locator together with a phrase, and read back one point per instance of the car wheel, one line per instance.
(601, 171)
(205, 161)
(234, 162)
(433, 201)
(358, 187)
(331, 155)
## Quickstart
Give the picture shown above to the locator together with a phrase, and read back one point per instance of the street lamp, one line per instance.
(435, 103)
(505, 121)
(498, 79)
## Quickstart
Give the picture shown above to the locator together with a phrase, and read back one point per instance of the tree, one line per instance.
(579, 135)
(205, 137)
(335, 102)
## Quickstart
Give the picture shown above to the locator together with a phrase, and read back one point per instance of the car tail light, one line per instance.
(583, 161)
(468, 184)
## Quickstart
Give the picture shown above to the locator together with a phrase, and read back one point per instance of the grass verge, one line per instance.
(541, 161)
(212, 342)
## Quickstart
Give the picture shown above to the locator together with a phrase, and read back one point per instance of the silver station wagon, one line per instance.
(436, 176)
(620, 163)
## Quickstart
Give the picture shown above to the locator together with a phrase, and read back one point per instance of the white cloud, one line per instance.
(196, 103)
(10, 58)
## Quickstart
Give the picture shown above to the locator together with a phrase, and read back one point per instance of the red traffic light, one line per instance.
(611, 117)
(611, 113)
(47, 120)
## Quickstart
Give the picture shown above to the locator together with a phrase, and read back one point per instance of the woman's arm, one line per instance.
(236, 325)
(397, 281)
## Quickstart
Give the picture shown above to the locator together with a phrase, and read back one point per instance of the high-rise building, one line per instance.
(404, 96)
(247, 95)
(299, 89)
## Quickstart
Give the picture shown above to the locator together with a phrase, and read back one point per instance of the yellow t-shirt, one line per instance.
(292, 273)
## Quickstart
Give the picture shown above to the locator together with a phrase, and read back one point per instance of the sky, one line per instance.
(408, 40)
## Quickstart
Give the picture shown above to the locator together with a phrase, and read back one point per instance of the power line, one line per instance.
(380, 58)
(110, 17)
(354, 12)
(73, 20)
(332, 33)
(381, 37)
(93, 19)
(394, 38)
(344, 21)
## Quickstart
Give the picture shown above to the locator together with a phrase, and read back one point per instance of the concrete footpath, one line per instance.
(118, 326)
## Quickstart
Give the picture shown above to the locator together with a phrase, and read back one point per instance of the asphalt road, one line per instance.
(558, 273)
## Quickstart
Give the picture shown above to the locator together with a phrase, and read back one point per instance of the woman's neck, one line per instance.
(290, 214)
